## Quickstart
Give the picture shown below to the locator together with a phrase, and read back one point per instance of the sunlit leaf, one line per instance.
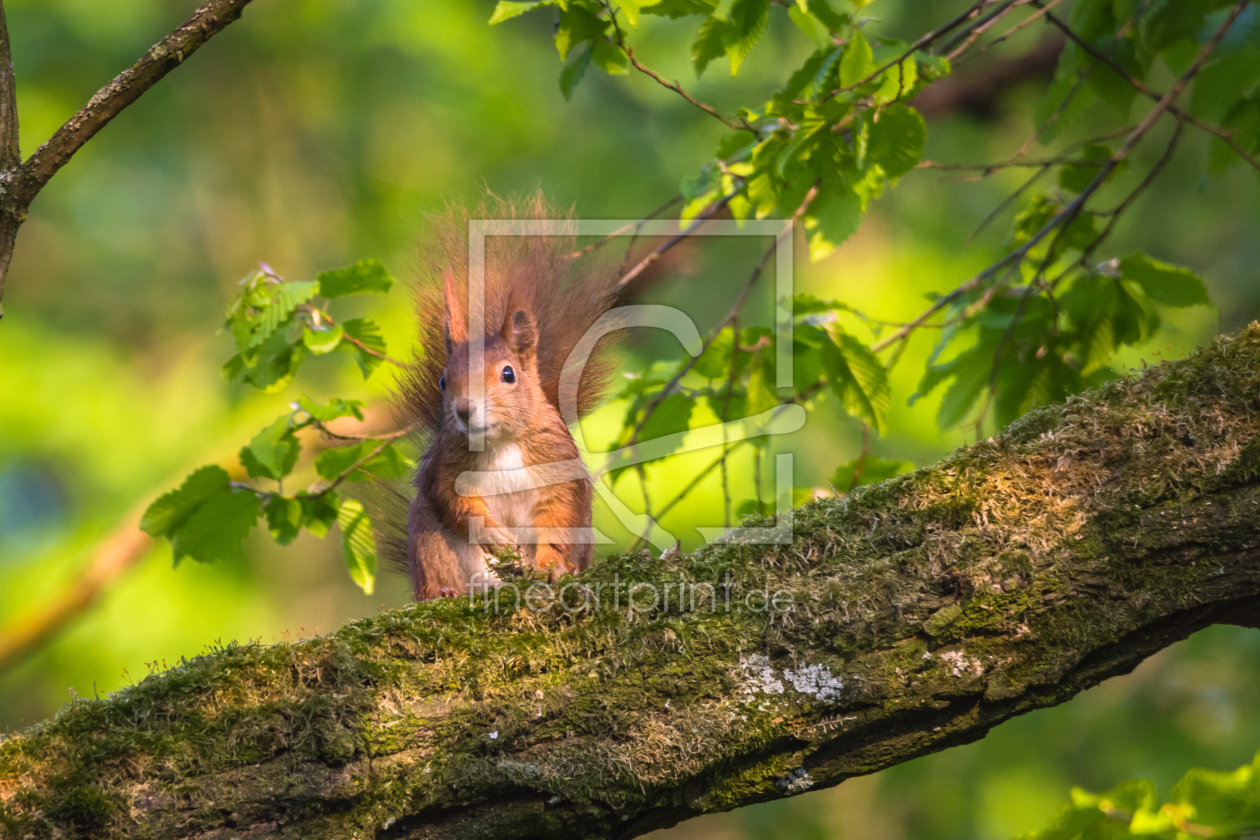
(171, 509)
(358, 544)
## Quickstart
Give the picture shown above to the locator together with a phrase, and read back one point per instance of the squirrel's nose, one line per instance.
(465, 411)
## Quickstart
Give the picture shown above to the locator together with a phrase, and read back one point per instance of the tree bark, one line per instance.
(911, 616)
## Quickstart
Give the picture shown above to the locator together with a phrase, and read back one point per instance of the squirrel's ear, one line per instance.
(456, 322)
(518, 332)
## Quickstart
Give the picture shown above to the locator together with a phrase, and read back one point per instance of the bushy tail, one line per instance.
(531, 265)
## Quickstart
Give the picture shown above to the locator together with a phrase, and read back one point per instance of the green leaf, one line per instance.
(745, 27)
(1220, 85)
(897, 140)
(574, 70)
(811, 27)
(216, 529)
(833, 216)
(708, 44)
(319, 512)
(273, 452)
(323, 341)
(610, 57)
(278, 313)
(358, 544)
(508, 9)
(335, 408)
(577, 24)
(368, 334)
(1076, 177)
(715, 361)
(386, 464)
(680, 8)
(858, 61)
(1163, 283)
(873, 470)
(971, 377)
(364, 277)
(284, 518)
(1243, 122)
(857, 378)
(170, 510)
(632, 8)
(673, 415)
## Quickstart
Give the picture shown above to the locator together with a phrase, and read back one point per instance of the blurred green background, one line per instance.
(315, 132)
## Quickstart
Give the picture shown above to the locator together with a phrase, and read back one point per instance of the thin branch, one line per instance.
(624, 229)
(1141, 88)
(700, 218)
(677, 88)
(1074, 208)
(979, 29)
(127, 87)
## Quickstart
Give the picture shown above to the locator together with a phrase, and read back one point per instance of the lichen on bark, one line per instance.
(912, 615)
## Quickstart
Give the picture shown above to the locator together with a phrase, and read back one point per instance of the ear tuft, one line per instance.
(456, 322)
(518, 333)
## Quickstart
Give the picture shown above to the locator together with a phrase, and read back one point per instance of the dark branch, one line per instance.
(126, 88)
(10, 153)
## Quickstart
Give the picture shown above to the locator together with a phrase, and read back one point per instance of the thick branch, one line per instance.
(912, 616)
(10, 153)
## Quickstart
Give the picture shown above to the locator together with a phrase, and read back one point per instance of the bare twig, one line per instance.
(624, 229)
(742, 125)
(700, 218)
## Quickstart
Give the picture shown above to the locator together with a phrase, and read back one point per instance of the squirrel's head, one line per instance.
(511, 396)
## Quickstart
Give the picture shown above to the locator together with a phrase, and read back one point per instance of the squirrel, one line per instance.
(502, 469)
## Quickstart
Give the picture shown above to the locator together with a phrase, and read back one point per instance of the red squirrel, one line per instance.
(496, 448)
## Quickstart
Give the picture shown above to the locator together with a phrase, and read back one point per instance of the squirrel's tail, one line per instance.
(525, 255)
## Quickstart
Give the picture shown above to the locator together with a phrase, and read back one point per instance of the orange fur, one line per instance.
(538, 306)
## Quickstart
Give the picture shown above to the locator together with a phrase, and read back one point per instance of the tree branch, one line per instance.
(908, 617)
(10, 152)
(127, 87)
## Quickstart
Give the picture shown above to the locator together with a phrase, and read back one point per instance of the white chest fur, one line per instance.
(504, 484)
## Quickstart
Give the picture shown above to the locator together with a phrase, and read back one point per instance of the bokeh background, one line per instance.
(315, 132)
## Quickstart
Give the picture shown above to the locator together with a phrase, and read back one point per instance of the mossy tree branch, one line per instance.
(915, 615)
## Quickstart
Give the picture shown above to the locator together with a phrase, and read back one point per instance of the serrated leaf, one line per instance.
(858, 61)
(365, 332)
(833, 216)
(576, 25)
(171, 509)
(273, 452)
(218, 526)
(1163, 283)
(744, 29)
(897, 140)
(322, 341)
(358, 544)
(279, 312)
(857, 378)
(335, 408)
(508, 9)
(364, 277)
(284, 518)
(574, 70)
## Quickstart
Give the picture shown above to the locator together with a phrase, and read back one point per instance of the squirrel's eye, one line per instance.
(509, 375)
(442, 382)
